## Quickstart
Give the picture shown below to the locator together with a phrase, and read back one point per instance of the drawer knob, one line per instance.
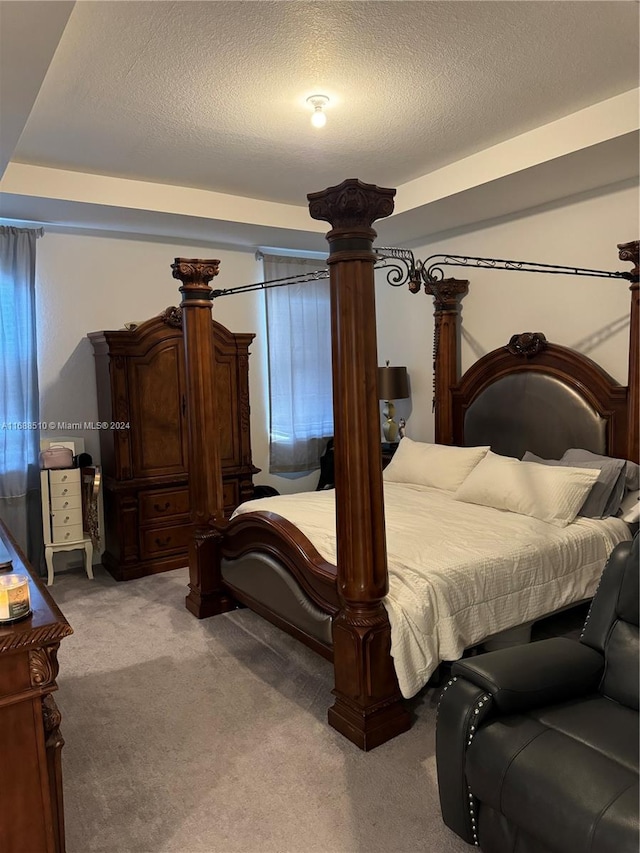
(162, 543)
(64, 477)
(65, 504)
(159, 508)
(64, 491)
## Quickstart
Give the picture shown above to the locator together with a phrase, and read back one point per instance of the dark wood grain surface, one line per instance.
(31, 804)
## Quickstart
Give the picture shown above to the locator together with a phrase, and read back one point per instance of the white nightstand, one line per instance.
(62, 517)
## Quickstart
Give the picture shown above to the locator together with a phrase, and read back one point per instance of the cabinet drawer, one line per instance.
(66, 517)
(163, 503)
(165, 540)
(60, 490)
(63, 502)
(65, 475)
(70, 533)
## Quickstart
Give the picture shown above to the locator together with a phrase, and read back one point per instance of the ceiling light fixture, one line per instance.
(318, 102)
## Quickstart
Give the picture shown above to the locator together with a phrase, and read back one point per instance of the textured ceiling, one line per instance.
(211, 95)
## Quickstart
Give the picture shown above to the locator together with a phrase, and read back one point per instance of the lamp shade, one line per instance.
(393, 383)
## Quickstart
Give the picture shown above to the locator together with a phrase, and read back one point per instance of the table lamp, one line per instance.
(393, 384)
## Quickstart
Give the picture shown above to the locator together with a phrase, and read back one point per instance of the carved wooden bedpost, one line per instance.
(630, 252)
(447, 295)
(206, 597)
(368, 708)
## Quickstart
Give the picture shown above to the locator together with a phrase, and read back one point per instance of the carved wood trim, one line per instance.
(527, 344)
(631, 252)
(35, 637)
(172, 316)
(43, 666)
(51, 718)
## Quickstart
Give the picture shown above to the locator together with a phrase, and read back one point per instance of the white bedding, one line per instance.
(459, 572)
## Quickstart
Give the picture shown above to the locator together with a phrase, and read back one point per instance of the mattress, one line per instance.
(459, 572)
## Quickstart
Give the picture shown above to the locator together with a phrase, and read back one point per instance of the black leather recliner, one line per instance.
(537, 745)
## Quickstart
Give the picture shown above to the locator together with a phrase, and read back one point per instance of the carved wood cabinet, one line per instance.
(31, 807)
(143, 439)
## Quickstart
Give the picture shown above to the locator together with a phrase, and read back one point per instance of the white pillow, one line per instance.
(438, 465)
(548, 493)
(630, 507)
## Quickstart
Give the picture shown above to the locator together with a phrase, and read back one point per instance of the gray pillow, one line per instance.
(631, 470)
(607, 492)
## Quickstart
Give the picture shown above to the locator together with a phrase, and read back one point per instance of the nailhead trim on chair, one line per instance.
(473, 819)
(470, 736)
(584, 627)
(444, 690)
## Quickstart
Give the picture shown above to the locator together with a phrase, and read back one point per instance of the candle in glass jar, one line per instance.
(14, 597)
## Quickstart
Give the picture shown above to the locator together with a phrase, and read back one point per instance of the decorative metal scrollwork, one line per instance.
(402, 268)
(406, 269)
(434, 272)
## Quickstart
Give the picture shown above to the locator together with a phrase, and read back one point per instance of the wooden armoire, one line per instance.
(142, 408)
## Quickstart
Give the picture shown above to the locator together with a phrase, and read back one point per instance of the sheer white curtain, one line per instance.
(299, 351)
(19, 403)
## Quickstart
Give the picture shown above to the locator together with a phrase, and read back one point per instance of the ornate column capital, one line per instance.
(446, 292)
(630, 252)
(195, 275)
(351, 205)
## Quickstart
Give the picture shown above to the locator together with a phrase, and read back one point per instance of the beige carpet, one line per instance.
(210, 737)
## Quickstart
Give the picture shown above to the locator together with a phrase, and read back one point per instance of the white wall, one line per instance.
(88, 283)
(590, 315)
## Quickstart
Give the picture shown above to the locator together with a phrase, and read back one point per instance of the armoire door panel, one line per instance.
(226, 405)
(159, 439)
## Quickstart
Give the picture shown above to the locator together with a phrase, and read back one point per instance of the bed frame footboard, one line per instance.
(268, 565)
(262, 584)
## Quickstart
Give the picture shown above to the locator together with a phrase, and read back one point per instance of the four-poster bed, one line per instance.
(263, 561)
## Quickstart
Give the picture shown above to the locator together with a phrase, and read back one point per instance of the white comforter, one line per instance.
(459, 572)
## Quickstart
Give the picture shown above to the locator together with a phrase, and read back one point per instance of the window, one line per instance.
(299, 353)
(19, 404)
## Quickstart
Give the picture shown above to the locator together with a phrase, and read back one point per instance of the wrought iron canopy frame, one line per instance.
(403, 268)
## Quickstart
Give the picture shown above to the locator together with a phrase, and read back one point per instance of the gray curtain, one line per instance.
(19, 401)
(299, 351)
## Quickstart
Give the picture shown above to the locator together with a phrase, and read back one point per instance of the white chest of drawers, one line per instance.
(62, 516)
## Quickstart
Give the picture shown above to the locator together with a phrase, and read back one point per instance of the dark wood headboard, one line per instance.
(538, 396)
(617, 406)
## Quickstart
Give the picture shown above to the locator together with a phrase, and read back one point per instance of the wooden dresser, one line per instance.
(143, 440)
(31, 811)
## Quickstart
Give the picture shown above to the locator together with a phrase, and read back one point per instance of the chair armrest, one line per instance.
(458, 711)
(539, 673)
